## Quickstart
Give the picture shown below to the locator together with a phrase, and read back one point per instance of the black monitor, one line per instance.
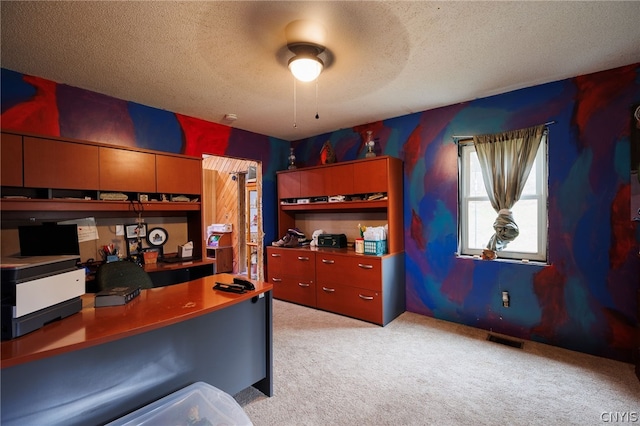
(48, 240)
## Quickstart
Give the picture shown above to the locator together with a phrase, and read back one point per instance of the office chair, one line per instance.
(121, 274)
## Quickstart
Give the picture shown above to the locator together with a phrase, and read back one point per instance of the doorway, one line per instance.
(232, 194)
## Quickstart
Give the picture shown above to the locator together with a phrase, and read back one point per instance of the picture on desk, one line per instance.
(133, 246)
(136, 230)
(159, 250)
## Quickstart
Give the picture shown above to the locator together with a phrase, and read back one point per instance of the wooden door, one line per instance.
(123, 170)
(57, 164)
(289, 185)
(370, 176)
(11, 155)
(176, 175)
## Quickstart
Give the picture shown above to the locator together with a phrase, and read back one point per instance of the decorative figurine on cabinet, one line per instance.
(370, 143)
(292, 160)
(327, 154)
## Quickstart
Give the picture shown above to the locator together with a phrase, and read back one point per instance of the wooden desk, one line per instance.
(99, 364)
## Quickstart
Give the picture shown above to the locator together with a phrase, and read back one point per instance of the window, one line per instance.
(476, 216)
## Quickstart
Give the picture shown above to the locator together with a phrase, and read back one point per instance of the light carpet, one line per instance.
(334, 370)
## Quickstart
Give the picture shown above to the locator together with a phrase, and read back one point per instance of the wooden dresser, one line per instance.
(367, 287)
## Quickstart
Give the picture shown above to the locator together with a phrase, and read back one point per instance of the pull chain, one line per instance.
(317, 115)
(295, 113)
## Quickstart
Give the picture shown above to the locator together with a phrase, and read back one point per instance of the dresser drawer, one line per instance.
(290, 263)
(356, 271)
(355, 302)
(294, 290)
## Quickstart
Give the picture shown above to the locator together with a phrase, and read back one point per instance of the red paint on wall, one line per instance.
(412, 150)
(596, 90)
(417, 231)
(622, 229)
(203, 137)
(621, 333)
(39, 115)
(548, 285)
(457, 283)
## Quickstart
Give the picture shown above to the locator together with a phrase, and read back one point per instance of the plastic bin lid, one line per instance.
(198, 404)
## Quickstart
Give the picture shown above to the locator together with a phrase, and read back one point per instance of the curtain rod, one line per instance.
(471, 137)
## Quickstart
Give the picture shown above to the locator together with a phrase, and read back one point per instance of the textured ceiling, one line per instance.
(385, 59)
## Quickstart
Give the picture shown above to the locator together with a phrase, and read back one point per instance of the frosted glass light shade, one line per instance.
(305, 68)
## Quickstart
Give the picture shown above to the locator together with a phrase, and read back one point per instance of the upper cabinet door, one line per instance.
(176, 175)
(11, 157)
(338, 180)
(57, 164)
(289, 185)
(370, 176)
(122, 170)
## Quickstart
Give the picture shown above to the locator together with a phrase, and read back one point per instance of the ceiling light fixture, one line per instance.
(306, 40)
(305, 65)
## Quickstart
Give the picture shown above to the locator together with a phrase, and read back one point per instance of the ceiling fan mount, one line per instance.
(305, 39)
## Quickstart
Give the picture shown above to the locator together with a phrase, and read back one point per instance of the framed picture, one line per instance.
(136, 230)
(157, 237)
(132, 247)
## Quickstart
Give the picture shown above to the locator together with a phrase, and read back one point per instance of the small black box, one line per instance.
(332, 240)
(116, 296)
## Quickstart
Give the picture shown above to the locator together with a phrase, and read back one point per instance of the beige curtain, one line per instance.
(506, 160)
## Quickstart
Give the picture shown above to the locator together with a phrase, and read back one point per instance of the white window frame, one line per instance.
(465, 150)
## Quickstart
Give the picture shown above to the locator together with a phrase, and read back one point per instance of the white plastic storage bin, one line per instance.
(196, 404)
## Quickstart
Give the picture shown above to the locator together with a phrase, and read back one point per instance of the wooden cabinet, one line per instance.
(55, 164)
(372, 176)
(370, 288)
(223, 257)
(11, 160)
(367, 287)
(355, 179)
(361, 271)
(292, 273)
(129, 171)
(177, 175)
(339, 180)
(289, 185)
(50, 178)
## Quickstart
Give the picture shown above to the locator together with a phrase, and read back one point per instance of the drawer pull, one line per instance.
(304, 284)
(276, 280)
(365, 297)
(363, 266)
(329, 261)
(275, 255)
(303, 258)
(328, 290)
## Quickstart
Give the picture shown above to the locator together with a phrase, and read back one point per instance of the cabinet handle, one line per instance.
(365, 297)
(303, 258)
(329, 261)
(363, 266)
(304, 284)
(328, 290)
(275, 254)
(276, 280)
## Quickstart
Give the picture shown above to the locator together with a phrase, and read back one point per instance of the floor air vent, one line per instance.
(505, 341)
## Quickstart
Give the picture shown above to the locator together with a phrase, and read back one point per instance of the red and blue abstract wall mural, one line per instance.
(583, 299)
(35, 105)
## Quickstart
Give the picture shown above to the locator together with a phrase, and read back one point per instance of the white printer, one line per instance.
(37, 290)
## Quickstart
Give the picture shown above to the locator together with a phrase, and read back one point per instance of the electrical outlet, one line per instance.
(119, 230)
(505, 299)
